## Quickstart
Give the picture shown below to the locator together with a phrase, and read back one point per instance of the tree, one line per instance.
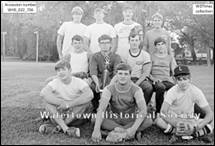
(199, 27)
(51, 14)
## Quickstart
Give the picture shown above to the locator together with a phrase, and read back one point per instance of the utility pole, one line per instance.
(4, 33)
(37, 45)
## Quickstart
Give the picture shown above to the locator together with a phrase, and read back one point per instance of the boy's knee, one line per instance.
(148, 122)
(159, 122)
(146, 86)
(160, 86)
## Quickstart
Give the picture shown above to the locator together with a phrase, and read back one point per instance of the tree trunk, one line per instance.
(206, 47)
(193, 53)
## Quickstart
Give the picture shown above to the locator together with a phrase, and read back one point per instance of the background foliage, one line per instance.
(21, 40)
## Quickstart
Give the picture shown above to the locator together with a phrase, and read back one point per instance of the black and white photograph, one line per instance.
(107, 72)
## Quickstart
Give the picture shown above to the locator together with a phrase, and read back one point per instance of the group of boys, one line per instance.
(106, 71)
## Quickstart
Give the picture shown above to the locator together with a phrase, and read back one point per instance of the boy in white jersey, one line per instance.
(124, 98)
(140, 62)
(97, 29)
(78, 59)
(65, 97)
(68, 30)
(123, 30)
(181, 102)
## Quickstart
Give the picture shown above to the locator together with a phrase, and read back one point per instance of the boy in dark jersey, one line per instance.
(127, 108)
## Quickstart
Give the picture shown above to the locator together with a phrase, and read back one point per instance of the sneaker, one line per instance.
(73, 132)
(205, 139)
(116, 137)
(46, 128)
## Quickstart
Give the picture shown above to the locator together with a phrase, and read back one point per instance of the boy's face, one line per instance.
(161, 47)
(77, 16)
(183, 81)
(99, 15)
(127, 14)
(77, 44)
(105, 45)
(157, 22)
(63, 73)
(123, 76)
(134, 41)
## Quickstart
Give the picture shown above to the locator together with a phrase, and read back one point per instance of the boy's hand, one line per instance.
(97, 88)
(131, 132)
(63, 106)
(96, 136)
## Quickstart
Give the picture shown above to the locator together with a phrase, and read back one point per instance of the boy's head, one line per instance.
(63, 69)
(182, 76)
(99, 14)
(157, 20)
(77, 13)
(123, 72)
(139, 30)
(127, 12)
(105, 42)
(77, 42)
(160, 44)
(134, 40)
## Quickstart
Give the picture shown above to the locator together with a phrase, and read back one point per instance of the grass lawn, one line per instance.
(20, 105)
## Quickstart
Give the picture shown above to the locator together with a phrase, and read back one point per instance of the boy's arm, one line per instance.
(168, 118)
(141, 104)
(85, 97)
(173, 65)
(87, 44)
(209, 117)
(145, 42)
(49, 97)
(169, 46)
(103, 103)
(114, 49)
(114, 44)
(146, 71)
(93, 67)
(59, 45)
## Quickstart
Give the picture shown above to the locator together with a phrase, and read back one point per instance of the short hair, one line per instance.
(158, 40)
(137, 29)
(133, 34)
(123, 66)
(77, 9)
(98, 10)
(104, 37)
(62, 64)
(77, 38)
(157, 15)
(127, 7)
